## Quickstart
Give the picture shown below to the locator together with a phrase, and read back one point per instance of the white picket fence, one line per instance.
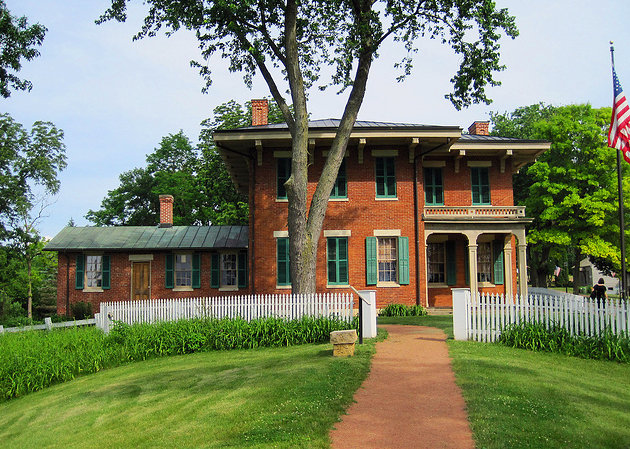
(249, 307)
(482, 317)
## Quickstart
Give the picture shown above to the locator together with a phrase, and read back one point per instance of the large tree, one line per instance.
(289, 41)
(17, 41)
(571, 190)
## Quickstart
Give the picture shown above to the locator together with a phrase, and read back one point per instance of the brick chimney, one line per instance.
(166, 211)
(260, 112)
(479, 128)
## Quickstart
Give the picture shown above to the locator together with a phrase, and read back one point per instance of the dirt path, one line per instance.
(409, 400)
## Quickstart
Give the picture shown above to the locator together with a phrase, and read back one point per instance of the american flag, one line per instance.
(619, 134)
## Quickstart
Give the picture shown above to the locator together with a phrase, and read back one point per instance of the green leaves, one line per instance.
(17, 41)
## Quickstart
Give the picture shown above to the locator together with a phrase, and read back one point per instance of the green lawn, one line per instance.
(273, 397)
(444, 322)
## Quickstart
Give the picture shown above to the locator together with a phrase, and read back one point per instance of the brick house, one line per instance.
(416, 209)
(97, 264)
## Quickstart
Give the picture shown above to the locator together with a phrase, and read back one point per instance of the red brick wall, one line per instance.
(362, 214)
(120, 281)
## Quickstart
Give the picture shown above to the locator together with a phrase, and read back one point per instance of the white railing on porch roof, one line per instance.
(472, 212)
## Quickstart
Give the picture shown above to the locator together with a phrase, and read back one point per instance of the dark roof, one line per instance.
(333, 123)
(482, 138)
(142, 238)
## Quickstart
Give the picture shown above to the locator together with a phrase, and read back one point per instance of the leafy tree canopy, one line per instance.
(571, 190)
(17, 41)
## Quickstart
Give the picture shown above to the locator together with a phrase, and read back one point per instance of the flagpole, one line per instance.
(624, 278)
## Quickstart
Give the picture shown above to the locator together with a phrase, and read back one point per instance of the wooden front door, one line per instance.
(140, 287)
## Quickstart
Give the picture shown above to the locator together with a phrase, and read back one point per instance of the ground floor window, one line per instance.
(183, 270)
(92, 272)
(337, 260)
(229, 270)
(387, 260)
(283, 277)
(436, 263)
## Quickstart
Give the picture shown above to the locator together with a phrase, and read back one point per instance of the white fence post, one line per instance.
(460, 306)
(1, 329)
(369, 312)
(48, 323)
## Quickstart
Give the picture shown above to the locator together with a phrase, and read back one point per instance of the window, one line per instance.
(385, 177)
(92, 272)
(228, 270)
(183, 271)
(490, 262)
(436, 263)
(337, 260)
(480, 186)
(433, 187)
(387, 260)
(282, 259)
(283, 172)
(340, 189)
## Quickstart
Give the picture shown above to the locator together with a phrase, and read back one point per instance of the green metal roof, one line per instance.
(140, 238)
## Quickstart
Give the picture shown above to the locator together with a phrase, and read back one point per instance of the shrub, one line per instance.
(81, 310)
(402, 310)
(536, 337)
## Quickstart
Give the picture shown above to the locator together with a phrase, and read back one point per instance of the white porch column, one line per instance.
(507, 262)
(522, 269)
(472, 268)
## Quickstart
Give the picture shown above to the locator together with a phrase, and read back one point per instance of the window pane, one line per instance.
(283, 171)
(94, 271)
(436, 263)
(387, 260)
(484, 262)
(183, 270)
(228, 270)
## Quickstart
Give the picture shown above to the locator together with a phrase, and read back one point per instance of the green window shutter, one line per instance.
(242, 269)
(467, 266)
(371, 263)
(497, 246)
(403, 260)
(106, 272)
(282, 260)
(196, 270)
(337, 260)
(385, 177)
(283, 172)
(169, 274)
(340, 189)
(451, 263)
(480, 186)
(215, 270)
(79, 272)
(433, 188)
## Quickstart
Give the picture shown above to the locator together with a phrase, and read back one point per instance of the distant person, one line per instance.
(599, 290)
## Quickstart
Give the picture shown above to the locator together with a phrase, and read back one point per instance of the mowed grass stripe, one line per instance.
(270, 397)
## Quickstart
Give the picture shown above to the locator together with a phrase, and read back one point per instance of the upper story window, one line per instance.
(340, 189)
(283, 172)
(385, 177)
(433, 187)
(480, 186)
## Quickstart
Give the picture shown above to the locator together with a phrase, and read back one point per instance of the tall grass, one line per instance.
(31, 361)
(536, 337)
(403, 310)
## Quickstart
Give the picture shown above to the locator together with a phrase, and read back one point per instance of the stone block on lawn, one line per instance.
(343, 342)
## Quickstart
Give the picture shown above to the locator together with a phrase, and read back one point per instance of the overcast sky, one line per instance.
(115, 99)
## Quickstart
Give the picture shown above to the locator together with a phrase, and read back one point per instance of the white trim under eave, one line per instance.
(280, 234)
